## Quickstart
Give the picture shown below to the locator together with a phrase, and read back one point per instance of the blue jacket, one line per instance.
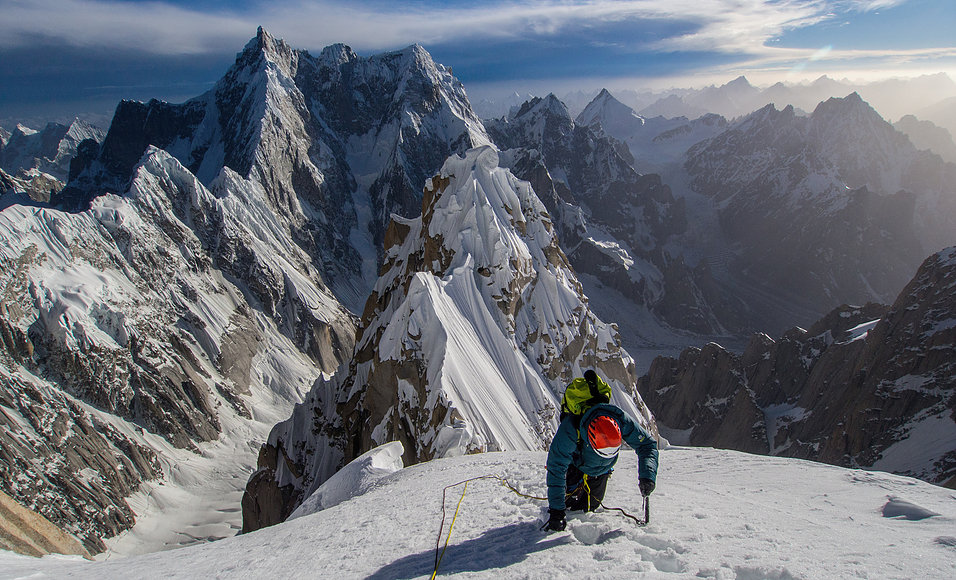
(568, 448)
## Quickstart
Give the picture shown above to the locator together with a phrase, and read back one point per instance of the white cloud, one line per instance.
(738, 27)
(723, 25)
(872, 5)
(151, 27)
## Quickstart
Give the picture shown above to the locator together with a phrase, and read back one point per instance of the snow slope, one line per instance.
(716, 514)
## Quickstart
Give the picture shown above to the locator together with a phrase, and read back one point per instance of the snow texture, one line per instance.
(716, 514)
(354, 479)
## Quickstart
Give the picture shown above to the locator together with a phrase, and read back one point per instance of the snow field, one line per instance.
(716, 514)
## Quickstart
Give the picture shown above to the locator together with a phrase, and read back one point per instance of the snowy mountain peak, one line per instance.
(480, 223)
(266, 48)
(610, 114)
(336, 55)
(740, 82)
(475, 327)
(265, 43)
(420, 54)
(853, 135)
(839, 114)
(24, 130)
(767, 119)
(549, 105)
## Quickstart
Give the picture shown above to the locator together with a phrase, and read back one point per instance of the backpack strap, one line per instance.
(596, 396)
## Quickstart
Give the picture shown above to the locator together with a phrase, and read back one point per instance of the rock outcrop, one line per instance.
(870, 386)
(26, 532)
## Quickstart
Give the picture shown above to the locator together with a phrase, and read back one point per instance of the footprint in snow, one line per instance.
(593, 534)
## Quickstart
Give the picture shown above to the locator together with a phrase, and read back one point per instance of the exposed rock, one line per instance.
(26, 532)
(863, 387)
(62, 461)
(35, 184)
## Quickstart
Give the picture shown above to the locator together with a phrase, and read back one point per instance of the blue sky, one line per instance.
(78, 56)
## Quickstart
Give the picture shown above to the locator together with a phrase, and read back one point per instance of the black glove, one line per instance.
(556, 523)
(646, 485)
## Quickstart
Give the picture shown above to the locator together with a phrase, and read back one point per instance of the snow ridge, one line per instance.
(467, 342)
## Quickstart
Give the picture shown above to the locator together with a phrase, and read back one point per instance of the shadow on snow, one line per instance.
(496, 548)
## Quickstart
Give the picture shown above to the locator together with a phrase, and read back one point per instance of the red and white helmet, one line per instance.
(604, 436)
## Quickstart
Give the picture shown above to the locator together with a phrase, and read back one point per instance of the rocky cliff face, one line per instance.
(469, 338)
(865, 386)
(337, 142)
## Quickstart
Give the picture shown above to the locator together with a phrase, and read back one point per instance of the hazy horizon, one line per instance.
(80, 57)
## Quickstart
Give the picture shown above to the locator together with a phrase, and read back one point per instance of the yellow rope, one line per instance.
(587, 489)
(450, 528)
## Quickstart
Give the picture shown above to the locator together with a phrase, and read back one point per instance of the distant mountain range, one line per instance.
(928, 97)
(37, 163)
(804, 212)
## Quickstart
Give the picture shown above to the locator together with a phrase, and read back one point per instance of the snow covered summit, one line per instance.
(337, 142)
(605, 113)
(474, 328)
(197, 277)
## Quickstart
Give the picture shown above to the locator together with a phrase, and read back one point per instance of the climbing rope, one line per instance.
(440, 551)
(438, 558)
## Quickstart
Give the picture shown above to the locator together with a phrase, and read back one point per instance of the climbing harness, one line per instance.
(440, 551)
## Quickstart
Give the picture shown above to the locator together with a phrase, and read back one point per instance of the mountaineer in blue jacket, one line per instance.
(585, 448)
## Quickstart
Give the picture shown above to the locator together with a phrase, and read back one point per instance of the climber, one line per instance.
(585, 448)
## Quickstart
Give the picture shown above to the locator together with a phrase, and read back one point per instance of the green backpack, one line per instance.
(582, 394)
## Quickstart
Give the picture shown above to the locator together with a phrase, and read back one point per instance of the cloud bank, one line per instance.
(747, 29)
